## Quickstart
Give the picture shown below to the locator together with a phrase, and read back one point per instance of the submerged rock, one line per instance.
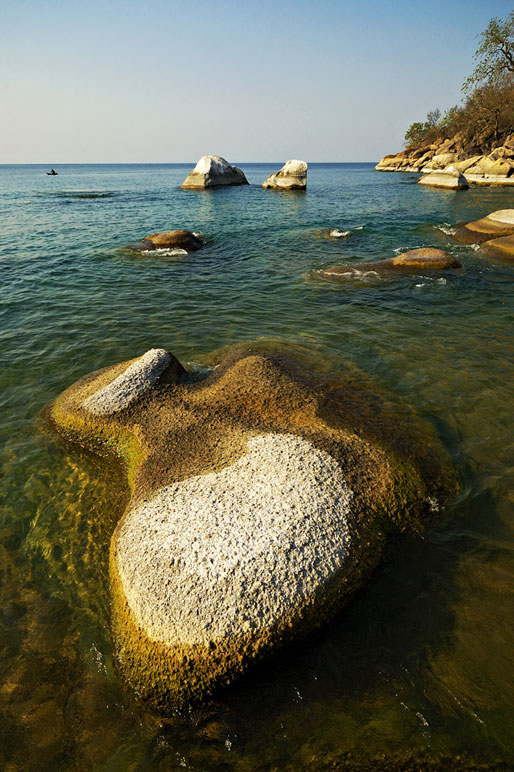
(292, 176)
(494, 225)
(211, 171)
(181, 239)
(172, 242)
(450, 178)
(261, 497)
(502, 248)
(424, 259)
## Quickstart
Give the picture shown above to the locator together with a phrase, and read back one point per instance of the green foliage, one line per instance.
(415, 134)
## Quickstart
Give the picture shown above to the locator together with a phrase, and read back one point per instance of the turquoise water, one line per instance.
(419, 670)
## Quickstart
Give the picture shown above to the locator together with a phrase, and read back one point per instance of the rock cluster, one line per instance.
(415, 260)
(496, 167)
(292, 176)
(261, 496)
(495, 233)
(213, 171)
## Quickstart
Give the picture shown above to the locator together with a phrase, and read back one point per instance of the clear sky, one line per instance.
(171, 80)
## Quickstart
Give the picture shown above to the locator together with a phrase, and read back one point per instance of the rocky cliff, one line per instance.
(496, 167)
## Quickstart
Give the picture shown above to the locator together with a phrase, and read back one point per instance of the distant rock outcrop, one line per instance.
(424, 259)
(212, 171)
(450, 178)
(292, 176)
(495, 168)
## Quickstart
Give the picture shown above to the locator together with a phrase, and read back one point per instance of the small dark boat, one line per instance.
(52, 173)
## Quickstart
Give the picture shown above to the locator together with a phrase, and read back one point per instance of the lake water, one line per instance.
(418, 672)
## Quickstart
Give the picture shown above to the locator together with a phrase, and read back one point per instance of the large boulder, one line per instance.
(292, 176)
(179, 240)
(463, 166)
(261, 496)
(488, 167)
(440, 161)
(413, 261)
(450, 178)
(212, 171)
(493, 226)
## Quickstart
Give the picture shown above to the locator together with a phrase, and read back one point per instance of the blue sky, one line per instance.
(172, 80)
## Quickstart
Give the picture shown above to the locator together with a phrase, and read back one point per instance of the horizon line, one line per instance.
(155, 163)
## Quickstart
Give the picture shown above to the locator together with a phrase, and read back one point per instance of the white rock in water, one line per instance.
(130, 385)
(450, 178)
(212, 171)
(223, 554)
(292, 176)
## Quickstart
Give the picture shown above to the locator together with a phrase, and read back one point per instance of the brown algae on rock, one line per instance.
(261, 497)
(492, 226)
(415, 260)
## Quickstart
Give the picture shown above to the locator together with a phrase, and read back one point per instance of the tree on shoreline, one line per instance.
(495, 54)
(487, 114)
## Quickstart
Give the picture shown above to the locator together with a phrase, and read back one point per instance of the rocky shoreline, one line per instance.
(448, 156)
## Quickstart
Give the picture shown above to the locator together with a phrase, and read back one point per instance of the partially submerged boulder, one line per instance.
(493, 226)
(415, 260)
(261, 497)
(502, 248)
(292, 176)
(180, 239)
(450, 179)
(212, 171)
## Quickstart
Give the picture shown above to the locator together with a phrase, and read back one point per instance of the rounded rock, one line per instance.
(213, 171)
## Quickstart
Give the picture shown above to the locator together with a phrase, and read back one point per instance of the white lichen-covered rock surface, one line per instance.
(450, 178)
(223, 554)
(502, 216)
(130, 385)
(292, 176)
(212, 171)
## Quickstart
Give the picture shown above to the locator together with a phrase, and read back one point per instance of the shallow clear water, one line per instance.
(419, 670)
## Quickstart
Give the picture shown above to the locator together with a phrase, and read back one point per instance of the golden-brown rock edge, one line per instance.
(297, 476)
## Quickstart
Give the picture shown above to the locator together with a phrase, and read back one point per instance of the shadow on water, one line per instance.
(331, 701)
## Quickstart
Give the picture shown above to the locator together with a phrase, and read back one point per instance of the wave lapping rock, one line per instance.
(502, 248)
(292, 176)
(213, 171)
(423, 259)
(261, 497)
(492, 226)
(180, 239)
